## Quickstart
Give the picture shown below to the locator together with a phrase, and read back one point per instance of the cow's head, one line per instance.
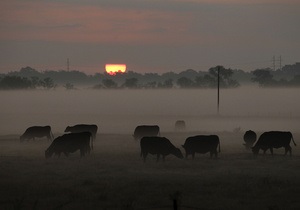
(22, 138)
(48, 154)
(178, 153)
(255, 150)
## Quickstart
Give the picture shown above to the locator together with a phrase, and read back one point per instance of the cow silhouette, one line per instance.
(84, 128)
(158, 146)
(70, 143)
(146, 130)
(274, 139)
(249, 139)
(202, 144)
(37, 132)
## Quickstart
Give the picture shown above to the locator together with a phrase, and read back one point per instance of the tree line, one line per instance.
(29, 78)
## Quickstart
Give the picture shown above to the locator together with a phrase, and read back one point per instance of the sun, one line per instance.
(113, 69)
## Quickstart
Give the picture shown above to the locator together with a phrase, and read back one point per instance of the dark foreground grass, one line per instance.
(115, 177)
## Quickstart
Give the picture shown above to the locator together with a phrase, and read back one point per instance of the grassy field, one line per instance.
(115, 177)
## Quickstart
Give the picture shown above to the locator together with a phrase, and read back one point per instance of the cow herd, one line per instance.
(81, 137)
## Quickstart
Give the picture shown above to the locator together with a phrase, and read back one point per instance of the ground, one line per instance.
(114, 176)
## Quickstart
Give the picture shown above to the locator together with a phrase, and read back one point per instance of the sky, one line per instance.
(154, 36)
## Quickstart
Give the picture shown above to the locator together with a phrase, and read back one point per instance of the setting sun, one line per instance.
(113, 69)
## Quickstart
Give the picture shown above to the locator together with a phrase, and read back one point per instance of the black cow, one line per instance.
(146, 130)
(37, 132)
(202, 144)
(69, 143)
(83, 128)
(274, 139)
(249, 138)
(158, 146)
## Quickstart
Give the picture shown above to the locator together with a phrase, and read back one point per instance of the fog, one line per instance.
(119, 111)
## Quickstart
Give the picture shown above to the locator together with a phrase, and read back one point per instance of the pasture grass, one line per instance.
(114, 176)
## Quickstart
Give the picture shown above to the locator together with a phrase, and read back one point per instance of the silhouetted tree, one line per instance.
(48, 83)
(166, 84)
(131, 83)
(35, 82)
(184, 82)
(150, 85)
(225, 77)
(15, 82)
(109, 83)
(69, 86)
(295, 81)
(263, 77)
(205, 81)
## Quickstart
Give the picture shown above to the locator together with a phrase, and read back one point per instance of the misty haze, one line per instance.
(119, 111)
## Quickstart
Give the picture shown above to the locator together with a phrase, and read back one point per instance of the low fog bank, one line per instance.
(119, 111)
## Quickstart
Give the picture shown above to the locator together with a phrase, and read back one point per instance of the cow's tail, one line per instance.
(293, 140)
(92, 141)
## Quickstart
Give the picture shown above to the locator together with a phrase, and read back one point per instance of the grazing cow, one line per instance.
(274, 139)
(202, 144)
(159, 146)
(146, 130)
(69, 143)
(37, 132)
(83, 128)
(249, 138)
(180, 125)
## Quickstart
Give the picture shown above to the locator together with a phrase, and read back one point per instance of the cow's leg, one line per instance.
(211, 154)
(264, 151)
(144, 156)
(158, 155)
(82, 152)
(216, 153)
(88, 149)
(288, 149)
(193, 155)
(48, 137)
(271, 150)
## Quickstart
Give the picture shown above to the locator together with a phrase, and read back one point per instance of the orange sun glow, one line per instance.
(113, 69)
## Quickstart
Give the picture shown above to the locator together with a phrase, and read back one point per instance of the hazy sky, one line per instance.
(148, 35)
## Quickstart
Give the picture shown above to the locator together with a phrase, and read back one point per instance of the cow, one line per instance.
(274, 139)
(37, 132)
(146, 130)
(83, 128)
(70, 143)
(156, 145)
(249, 139)
(202, 144)
(180, 125)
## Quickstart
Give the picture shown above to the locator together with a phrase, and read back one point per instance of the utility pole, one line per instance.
(68, 65)
(218, 90)
(280, 63)
(273, 60)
